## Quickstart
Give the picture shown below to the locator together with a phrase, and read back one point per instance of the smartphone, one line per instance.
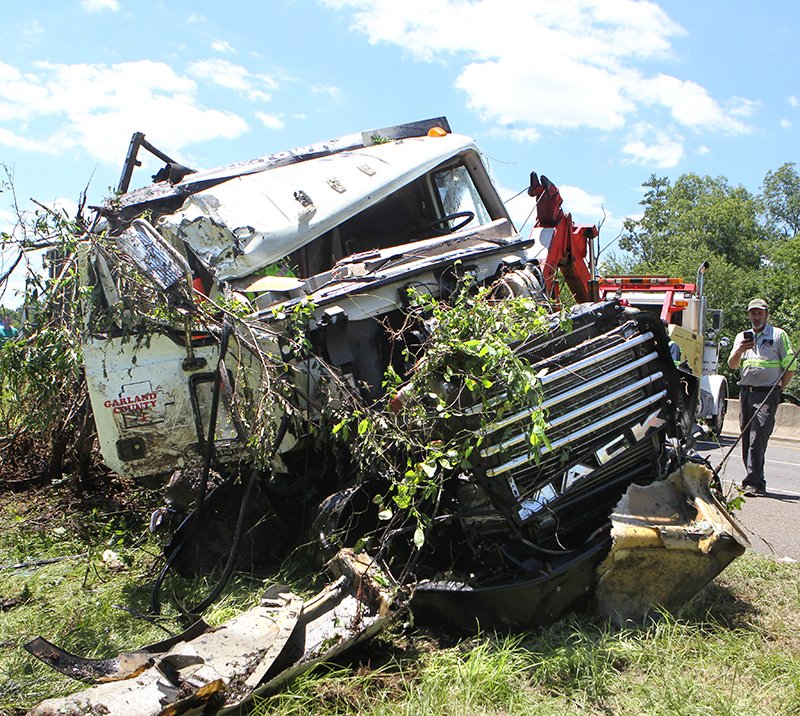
(748, 336)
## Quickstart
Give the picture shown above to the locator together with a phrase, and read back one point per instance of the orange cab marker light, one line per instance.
(436, 132)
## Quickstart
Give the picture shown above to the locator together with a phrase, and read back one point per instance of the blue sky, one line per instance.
(596, 94)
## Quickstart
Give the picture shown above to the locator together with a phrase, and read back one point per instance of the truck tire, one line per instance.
(716, 423)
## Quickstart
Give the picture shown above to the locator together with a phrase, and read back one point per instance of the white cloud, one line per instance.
(529, 134)
(691, 105)
(232, 76)
(222, 46)
(794, 101)
(582, 205)
(786, 123)
(98, 5)
(32, 30)
(114, 102)
(270, 121)
(522, 97)
(16, 141)
(649, 146)
(21, 95)
(527, 65)
(702, 150)
(222, 73)
(742, 107)
(330, 90)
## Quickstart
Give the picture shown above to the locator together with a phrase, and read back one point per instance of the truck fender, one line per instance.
(717, 387)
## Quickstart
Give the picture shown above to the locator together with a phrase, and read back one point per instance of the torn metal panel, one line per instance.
(161, 192)
(348, 612)
(253, 654)
(669, 540)
(143, 695)
(235, 649)
(122, 666)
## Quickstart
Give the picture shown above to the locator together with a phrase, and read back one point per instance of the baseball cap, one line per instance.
(758, 303)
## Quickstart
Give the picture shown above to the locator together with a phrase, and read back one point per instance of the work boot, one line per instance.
(754, 490)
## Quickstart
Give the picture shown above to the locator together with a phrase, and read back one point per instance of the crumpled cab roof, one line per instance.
(254, 219)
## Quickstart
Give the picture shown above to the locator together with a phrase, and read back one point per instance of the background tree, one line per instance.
(780, 201)
(46, 421)
(704, 214)
(751, 242)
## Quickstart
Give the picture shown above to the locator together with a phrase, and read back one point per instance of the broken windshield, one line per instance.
(458, 195)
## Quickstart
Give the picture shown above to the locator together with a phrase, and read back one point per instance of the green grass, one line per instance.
(735, 649)
(79, 602)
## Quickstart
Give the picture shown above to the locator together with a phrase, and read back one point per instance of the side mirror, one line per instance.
(716, 320)
(724, 342)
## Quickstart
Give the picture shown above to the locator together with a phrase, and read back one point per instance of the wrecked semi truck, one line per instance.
(357, 342)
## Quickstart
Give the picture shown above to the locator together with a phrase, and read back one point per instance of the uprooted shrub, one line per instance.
(42, 387)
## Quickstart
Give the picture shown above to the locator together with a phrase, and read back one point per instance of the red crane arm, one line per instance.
(569, 245)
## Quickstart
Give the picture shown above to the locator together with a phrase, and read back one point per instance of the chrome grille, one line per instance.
(601, 399)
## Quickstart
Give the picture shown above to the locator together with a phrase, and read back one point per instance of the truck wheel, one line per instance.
(715, 424)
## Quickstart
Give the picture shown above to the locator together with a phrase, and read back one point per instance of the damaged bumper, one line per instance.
(670, 539)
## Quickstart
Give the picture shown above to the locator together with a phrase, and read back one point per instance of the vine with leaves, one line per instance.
(426, 430)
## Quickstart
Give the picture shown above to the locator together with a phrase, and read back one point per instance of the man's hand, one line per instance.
(735, 358)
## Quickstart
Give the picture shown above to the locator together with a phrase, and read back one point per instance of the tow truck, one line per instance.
(682, 306)
(571, 250)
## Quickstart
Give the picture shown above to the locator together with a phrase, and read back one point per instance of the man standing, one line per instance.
(767, 364)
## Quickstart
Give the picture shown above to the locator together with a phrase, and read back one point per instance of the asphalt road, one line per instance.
(771, 522)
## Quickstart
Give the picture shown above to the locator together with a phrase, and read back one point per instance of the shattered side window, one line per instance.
(457, 194)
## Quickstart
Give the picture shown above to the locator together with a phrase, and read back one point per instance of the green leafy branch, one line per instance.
(427, 430)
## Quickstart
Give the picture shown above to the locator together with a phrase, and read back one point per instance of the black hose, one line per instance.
(231, 563)
(237, 535)
(189, 523)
